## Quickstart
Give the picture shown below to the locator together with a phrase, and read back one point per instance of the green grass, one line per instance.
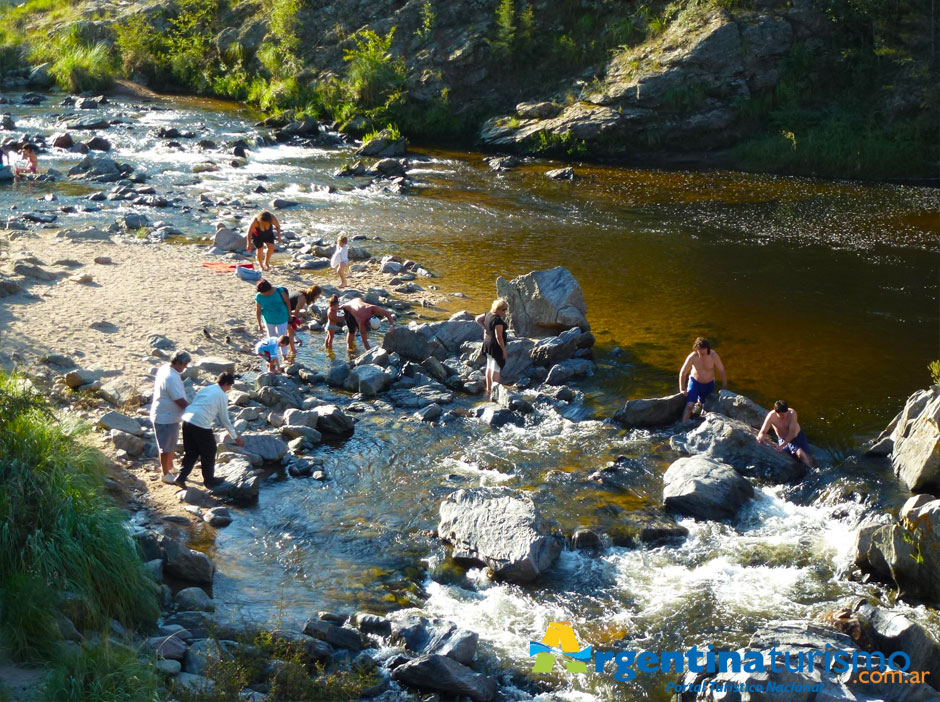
(104, 673)
(934, 368)
(554, 144)
(63, 541)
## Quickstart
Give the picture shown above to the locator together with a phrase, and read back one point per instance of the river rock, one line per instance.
(498, 417)
(121, 422)
(376, 356)
(548, 352)
(133, 445)
(916, 442)
(430, 413)
(118, 392)
(194, 599)
(544, 301)
(451, 334)
(313, 649)
(651, 412)
(333, 422)
(705, 489)
(227, 240)
(518, 360)
(891, 631)
(443, 674)
(407, 343)
(738, 407)
(172, 647)
(500, 528)
(214, 365)
(79, 377)
(565, 371)
(240, 480)
(566, 173)
(419, 397)
(185, 563)
(383, 145)
(369, 380)
(98, 144)
(199, 654)
(334, 635)
(447, 639)
(270, 448)
(217, 517)
(196, 685)
(62, 140)
(735, 443)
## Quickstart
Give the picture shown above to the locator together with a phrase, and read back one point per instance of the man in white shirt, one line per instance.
(166, 411)
(209, 405)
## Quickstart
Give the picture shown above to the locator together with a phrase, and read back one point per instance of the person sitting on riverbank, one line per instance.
(273, 306)
(261, 237)
(790, 436)
(340, 259)
(333, 321)
(271, 349)
(166, 411)
(209, 405)
(28, 152)
(359, 314)
(700, 367)
(298, 303)
(494, 341)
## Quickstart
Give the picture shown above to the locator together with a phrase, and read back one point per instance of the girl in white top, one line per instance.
(340, 260)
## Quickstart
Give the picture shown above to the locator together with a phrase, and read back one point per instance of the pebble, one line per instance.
(103, 260)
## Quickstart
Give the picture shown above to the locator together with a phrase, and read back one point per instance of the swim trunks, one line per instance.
(798, 442)
(699, 391)
(351, 324)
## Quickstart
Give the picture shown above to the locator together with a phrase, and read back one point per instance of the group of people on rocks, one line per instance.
(700, 367)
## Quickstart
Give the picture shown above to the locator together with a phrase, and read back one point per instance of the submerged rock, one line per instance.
(705, 488)
(502, 529)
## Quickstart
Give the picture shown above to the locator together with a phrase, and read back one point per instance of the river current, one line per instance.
(821, 292)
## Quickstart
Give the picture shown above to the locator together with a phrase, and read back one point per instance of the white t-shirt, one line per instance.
(167, 387)
(210, 405)
(340, 256)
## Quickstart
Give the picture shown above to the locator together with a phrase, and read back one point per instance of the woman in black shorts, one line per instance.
(261, 237)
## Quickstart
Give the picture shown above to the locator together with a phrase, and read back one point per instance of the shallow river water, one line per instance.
(824, 293)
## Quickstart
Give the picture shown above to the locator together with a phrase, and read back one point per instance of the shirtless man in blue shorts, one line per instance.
(700, 367)
(790, 436)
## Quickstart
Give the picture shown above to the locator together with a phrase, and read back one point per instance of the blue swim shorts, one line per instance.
(799, 442)
(699, 391)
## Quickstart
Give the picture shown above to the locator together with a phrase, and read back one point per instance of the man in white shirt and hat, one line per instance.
(209, 405)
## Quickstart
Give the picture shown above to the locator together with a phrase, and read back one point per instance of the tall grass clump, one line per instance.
(375, 77)
(63, 541)
(104, 673)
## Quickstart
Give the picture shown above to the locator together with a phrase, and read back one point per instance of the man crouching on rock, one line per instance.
(209, 405)
(790, 436)
(702, 362)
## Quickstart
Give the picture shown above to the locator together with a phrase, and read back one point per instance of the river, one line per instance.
(823, 293)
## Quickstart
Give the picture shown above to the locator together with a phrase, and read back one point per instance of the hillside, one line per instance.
(843, 88)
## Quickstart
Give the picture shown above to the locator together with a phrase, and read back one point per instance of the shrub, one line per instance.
(934, 368)
(375, 78)
(79, 68)
(103, 673)
(60, 532)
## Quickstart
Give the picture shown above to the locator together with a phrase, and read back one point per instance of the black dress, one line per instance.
(491, 346)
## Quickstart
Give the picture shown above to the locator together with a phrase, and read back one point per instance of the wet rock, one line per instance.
(451, 641)
(407, 343)
(739, 407)
(735, 443)
(334, 635)
(503, 163)
(513, 401)
(500, 528)
(240, 481)
(120, 422)
(891, 631)
(213, 365)
(705, 489)
(136, 221)
(185, 563)
(445, 675)
(566, 371)
(544, 301)
(62, 140)
(193, 599)
(333, 422)
(372, 624)
(430, 413)
(314, 650)
(6, 122)
(98, 144)
(89, 124)
(218, 517)
(383, 145)
(916, 442)
(566, 173)
(282, 204)
(369, 380)
(583, 539)
(651, 412)
(647, 527)
(168, 133)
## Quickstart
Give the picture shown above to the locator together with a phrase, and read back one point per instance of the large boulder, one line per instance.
(518, 360)
(227, 240)
(186, 564)
(544, 302)
(270, 448)
(916, 442)
(333, 422)
(735, 443)
(891, 631)
(121, 422)
(452, 334)
(547, 352)
(738, 407)
(240, 482)
(651, 412)
(213, 365)
(705, 488)
(407, 343)
(500, 528)
(367, 379)
(443, 674)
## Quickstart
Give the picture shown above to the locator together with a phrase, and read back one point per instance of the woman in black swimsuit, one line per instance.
(261, 236)
(298, 301)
